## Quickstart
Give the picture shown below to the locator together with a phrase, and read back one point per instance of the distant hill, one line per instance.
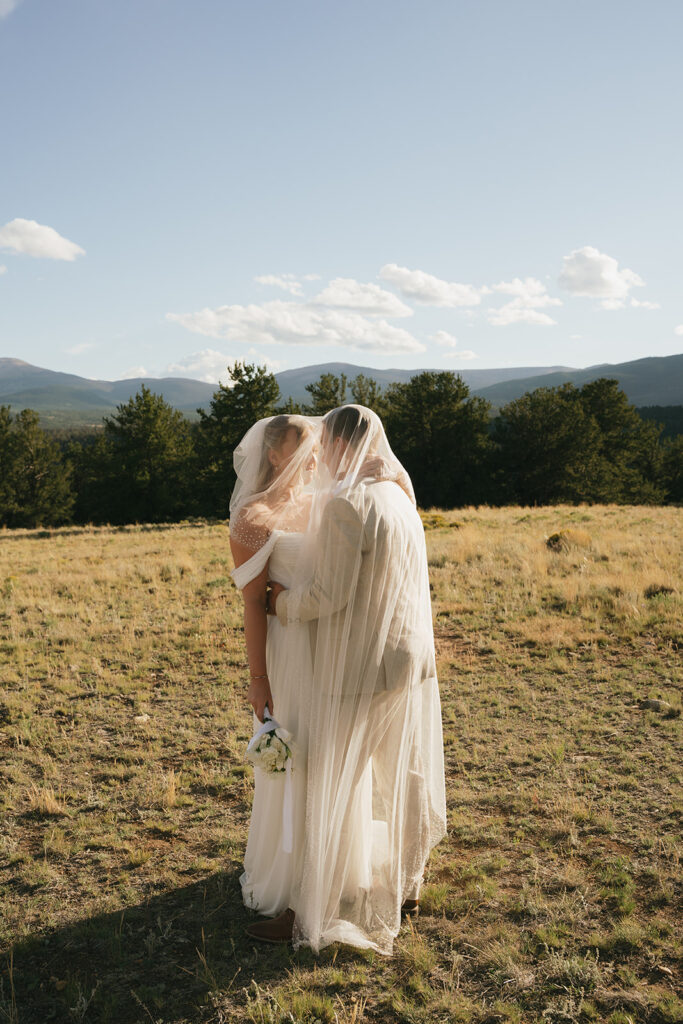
(293, 382)
(64, 399)
(656, 380)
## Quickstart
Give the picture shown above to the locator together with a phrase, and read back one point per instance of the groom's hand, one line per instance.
(274, 591)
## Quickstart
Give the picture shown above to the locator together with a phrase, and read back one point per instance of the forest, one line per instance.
(150, 464)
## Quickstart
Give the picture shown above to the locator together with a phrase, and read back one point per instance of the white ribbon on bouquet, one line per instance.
(271, 725)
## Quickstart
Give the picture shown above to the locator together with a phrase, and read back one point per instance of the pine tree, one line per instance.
(547, 448)
(327, 392)
(366, 391)
(629, 460)
(35, 487)
(440, 434)
(140, 470)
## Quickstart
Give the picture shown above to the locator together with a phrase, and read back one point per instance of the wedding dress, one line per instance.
(352, 670)
(269, 872)
(375, 797)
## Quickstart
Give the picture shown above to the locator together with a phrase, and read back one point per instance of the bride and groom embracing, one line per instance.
(330, 557)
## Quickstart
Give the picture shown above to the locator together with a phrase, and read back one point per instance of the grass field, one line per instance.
(124, 794)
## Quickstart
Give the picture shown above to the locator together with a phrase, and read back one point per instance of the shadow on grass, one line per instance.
(161, 960)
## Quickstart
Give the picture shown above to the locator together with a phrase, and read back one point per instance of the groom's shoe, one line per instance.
(410, 908)
(279, 929)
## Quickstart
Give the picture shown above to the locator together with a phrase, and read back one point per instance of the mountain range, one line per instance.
(64, 399)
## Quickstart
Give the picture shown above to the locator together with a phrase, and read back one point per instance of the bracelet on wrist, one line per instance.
(254, 676)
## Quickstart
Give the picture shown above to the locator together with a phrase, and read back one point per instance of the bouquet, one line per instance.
(270, 748)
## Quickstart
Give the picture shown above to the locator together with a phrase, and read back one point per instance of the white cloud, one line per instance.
(645, 304)
(449, 341)
(445, 339)
(75, 350)
(291, 323)
(33, 239)
(3, 270)
(429, 290)
(207, 365)
(465, 353)
(7, 6)
(369, 299)
(288, 282)
(679, 329)
(211, 366)
(311, 277)
(593, 274)
(514, 314)
(261, 359)
(135, 371)
(529, 295)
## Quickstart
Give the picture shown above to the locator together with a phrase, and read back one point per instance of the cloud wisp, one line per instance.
(292, 323)
(211, 366)
(367, 299)
(450, 343)
(529, 296)
(429, 290)
(38, 240)
(287, 282)
(7, 6)
(77, 350)
(589, 273)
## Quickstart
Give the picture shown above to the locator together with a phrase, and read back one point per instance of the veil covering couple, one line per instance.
(330, 557)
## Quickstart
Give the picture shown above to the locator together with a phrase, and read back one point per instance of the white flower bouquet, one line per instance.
(271, 748)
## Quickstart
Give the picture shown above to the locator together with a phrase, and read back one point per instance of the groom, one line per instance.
(368, 605)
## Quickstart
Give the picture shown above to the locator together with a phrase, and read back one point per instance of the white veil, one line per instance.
(375, 801)
(262, 500)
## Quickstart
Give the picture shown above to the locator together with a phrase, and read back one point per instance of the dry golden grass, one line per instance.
(124, 795)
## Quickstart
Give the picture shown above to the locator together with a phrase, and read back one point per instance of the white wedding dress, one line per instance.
(270, 872)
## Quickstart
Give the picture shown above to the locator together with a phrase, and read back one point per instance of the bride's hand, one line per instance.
(373, 466)
(260, 697)
(274, 591)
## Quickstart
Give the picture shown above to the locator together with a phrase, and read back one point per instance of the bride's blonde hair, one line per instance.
(274, 436)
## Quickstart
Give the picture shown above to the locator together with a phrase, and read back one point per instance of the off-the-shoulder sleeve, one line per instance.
(249, 570)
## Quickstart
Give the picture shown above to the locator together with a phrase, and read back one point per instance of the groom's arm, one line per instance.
(339, 551)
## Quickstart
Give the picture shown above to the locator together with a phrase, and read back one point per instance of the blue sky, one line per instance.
(445, 183)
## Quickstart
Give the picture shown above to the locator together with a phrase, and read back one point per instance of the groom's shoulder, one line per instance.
(381, 499)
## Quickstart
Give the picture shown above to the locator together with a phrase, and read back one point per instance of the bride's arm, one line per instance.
(255, 629)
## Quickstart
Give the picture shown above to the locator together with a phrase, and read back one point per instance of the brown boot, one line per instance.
(279, 929)
(410, 908)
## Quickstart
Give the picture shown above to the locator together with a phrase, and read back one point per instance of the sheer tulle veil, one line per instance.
(266, 498)
(375, 802)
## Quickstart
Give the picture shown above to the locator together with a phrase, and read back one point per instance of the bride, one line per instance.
(269, 512)
(348, 668)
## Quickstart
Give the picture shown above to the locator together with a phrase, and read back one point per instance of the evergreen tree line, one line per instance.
(149, 463)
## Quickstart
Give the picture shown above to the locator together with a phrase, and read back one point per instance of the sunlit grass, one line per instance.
(124, 795)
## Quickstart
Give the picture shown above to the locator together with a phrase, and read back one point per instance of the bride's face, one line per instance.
(283, 457)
